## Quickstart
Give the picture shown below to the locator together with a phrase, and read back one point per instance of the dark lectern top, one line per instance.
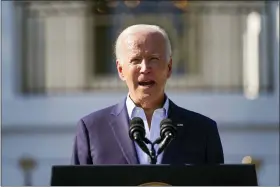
(134, 175)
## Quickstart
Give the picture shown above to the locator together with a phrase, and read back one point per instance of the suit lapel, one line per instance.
(120, 128)
(172, 149)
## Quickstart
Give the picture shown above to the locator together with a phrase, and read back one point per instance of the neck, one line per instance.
(149, 106)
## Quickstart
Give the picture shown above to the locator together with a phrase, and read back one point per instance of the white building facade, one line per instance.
(55, 70)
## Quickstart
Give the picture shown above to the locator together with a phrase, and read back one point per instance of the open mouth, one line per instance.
(147, 83)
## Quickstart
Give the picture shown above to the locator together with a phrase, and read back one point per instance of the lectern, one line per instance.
(154, 175)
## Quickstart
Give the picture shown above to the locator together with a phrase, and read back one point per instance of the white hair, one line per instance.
(143, 27)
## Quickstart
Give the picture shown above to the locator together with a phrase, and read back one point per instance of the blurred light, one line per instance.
(100, 10)
(247, 160)
(181, 4)
(132, 3)
(100, 6)
(27, 163)
(112, 3)
(251, 56)
(250, 160)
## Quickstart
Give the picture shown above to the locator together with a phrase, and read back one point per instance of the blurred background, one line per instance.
(58, 65)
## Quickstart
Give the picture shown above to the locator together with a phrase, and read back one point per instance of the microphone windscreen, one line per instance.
(166, 121)
(136, 127)
(137, 121)
(166, 126)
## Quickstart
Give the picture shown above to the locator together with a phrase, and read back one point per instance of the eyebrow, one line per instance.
(137, 55)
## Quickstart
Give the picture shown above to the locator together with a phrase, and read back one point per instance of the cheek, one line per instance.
(132, 74)
(126, 71)
(161, 72)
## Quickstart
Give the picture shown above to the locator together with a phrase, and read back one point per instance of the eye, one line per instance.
(135, 61)
(154, 59)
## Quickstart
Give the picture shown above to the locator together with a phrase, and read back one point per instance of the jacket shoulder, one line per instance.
(99, 115)
(195, 116)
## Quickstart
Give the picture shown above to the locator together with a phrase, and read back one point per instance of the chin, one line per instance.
(149, 96)
(144, 96)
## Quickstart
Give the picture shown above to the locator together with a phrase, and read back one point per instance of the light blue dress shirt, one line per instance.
(153, 133)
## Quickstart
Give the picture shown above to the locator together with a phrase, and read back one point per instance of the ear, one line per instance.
(169, 68)
(120, 70)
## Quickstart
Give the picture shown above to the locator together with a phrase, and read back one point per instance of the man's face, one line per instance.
(144, 65)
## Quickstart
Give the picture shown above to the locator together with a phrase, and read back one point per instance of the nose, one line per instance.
(145, 67)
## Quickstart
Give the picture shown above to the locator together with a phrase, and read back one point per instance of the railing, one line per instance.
(41, 173)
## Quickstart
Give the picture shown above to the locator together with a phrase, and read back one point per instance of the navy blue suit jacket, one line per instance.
(102, 138)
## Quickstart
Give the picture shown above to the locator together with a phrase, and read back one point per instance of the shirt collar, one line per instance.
(130, 105)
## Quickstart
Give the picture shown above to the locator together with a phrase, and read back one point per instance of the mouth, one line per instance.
(148, 83)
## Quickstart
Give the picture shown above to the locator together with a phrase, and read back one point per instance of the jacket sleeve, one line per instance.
(81, 149)
(214, 146)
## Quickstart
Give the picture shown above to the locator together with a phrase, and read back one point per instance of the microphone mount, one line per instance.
(167, 134)
(153, 154)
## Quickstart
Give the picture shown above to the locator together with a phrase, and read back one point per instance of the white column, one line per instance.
(9, 47)
(276, 48)
(221, 44)
(220, 49)
(65, 49)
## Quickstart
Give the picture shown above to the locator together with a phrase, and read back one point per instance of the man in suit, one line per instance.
(144, 62)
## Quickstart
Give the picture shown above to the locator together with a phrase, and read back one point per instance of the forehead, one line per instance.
(141, 42)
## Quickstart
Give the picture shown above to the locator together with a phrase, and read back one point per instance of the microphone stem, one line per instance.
(153, 156)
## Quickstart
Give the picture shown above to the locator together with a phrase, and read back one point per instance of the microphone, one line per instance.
(168, 132)
(137, 133)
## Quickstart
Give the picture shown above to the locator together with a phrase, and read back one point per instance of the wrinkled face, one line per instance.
(144, 65)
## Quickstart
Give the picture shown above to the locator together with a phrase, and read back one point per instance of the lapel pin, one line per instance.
(180, 125)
